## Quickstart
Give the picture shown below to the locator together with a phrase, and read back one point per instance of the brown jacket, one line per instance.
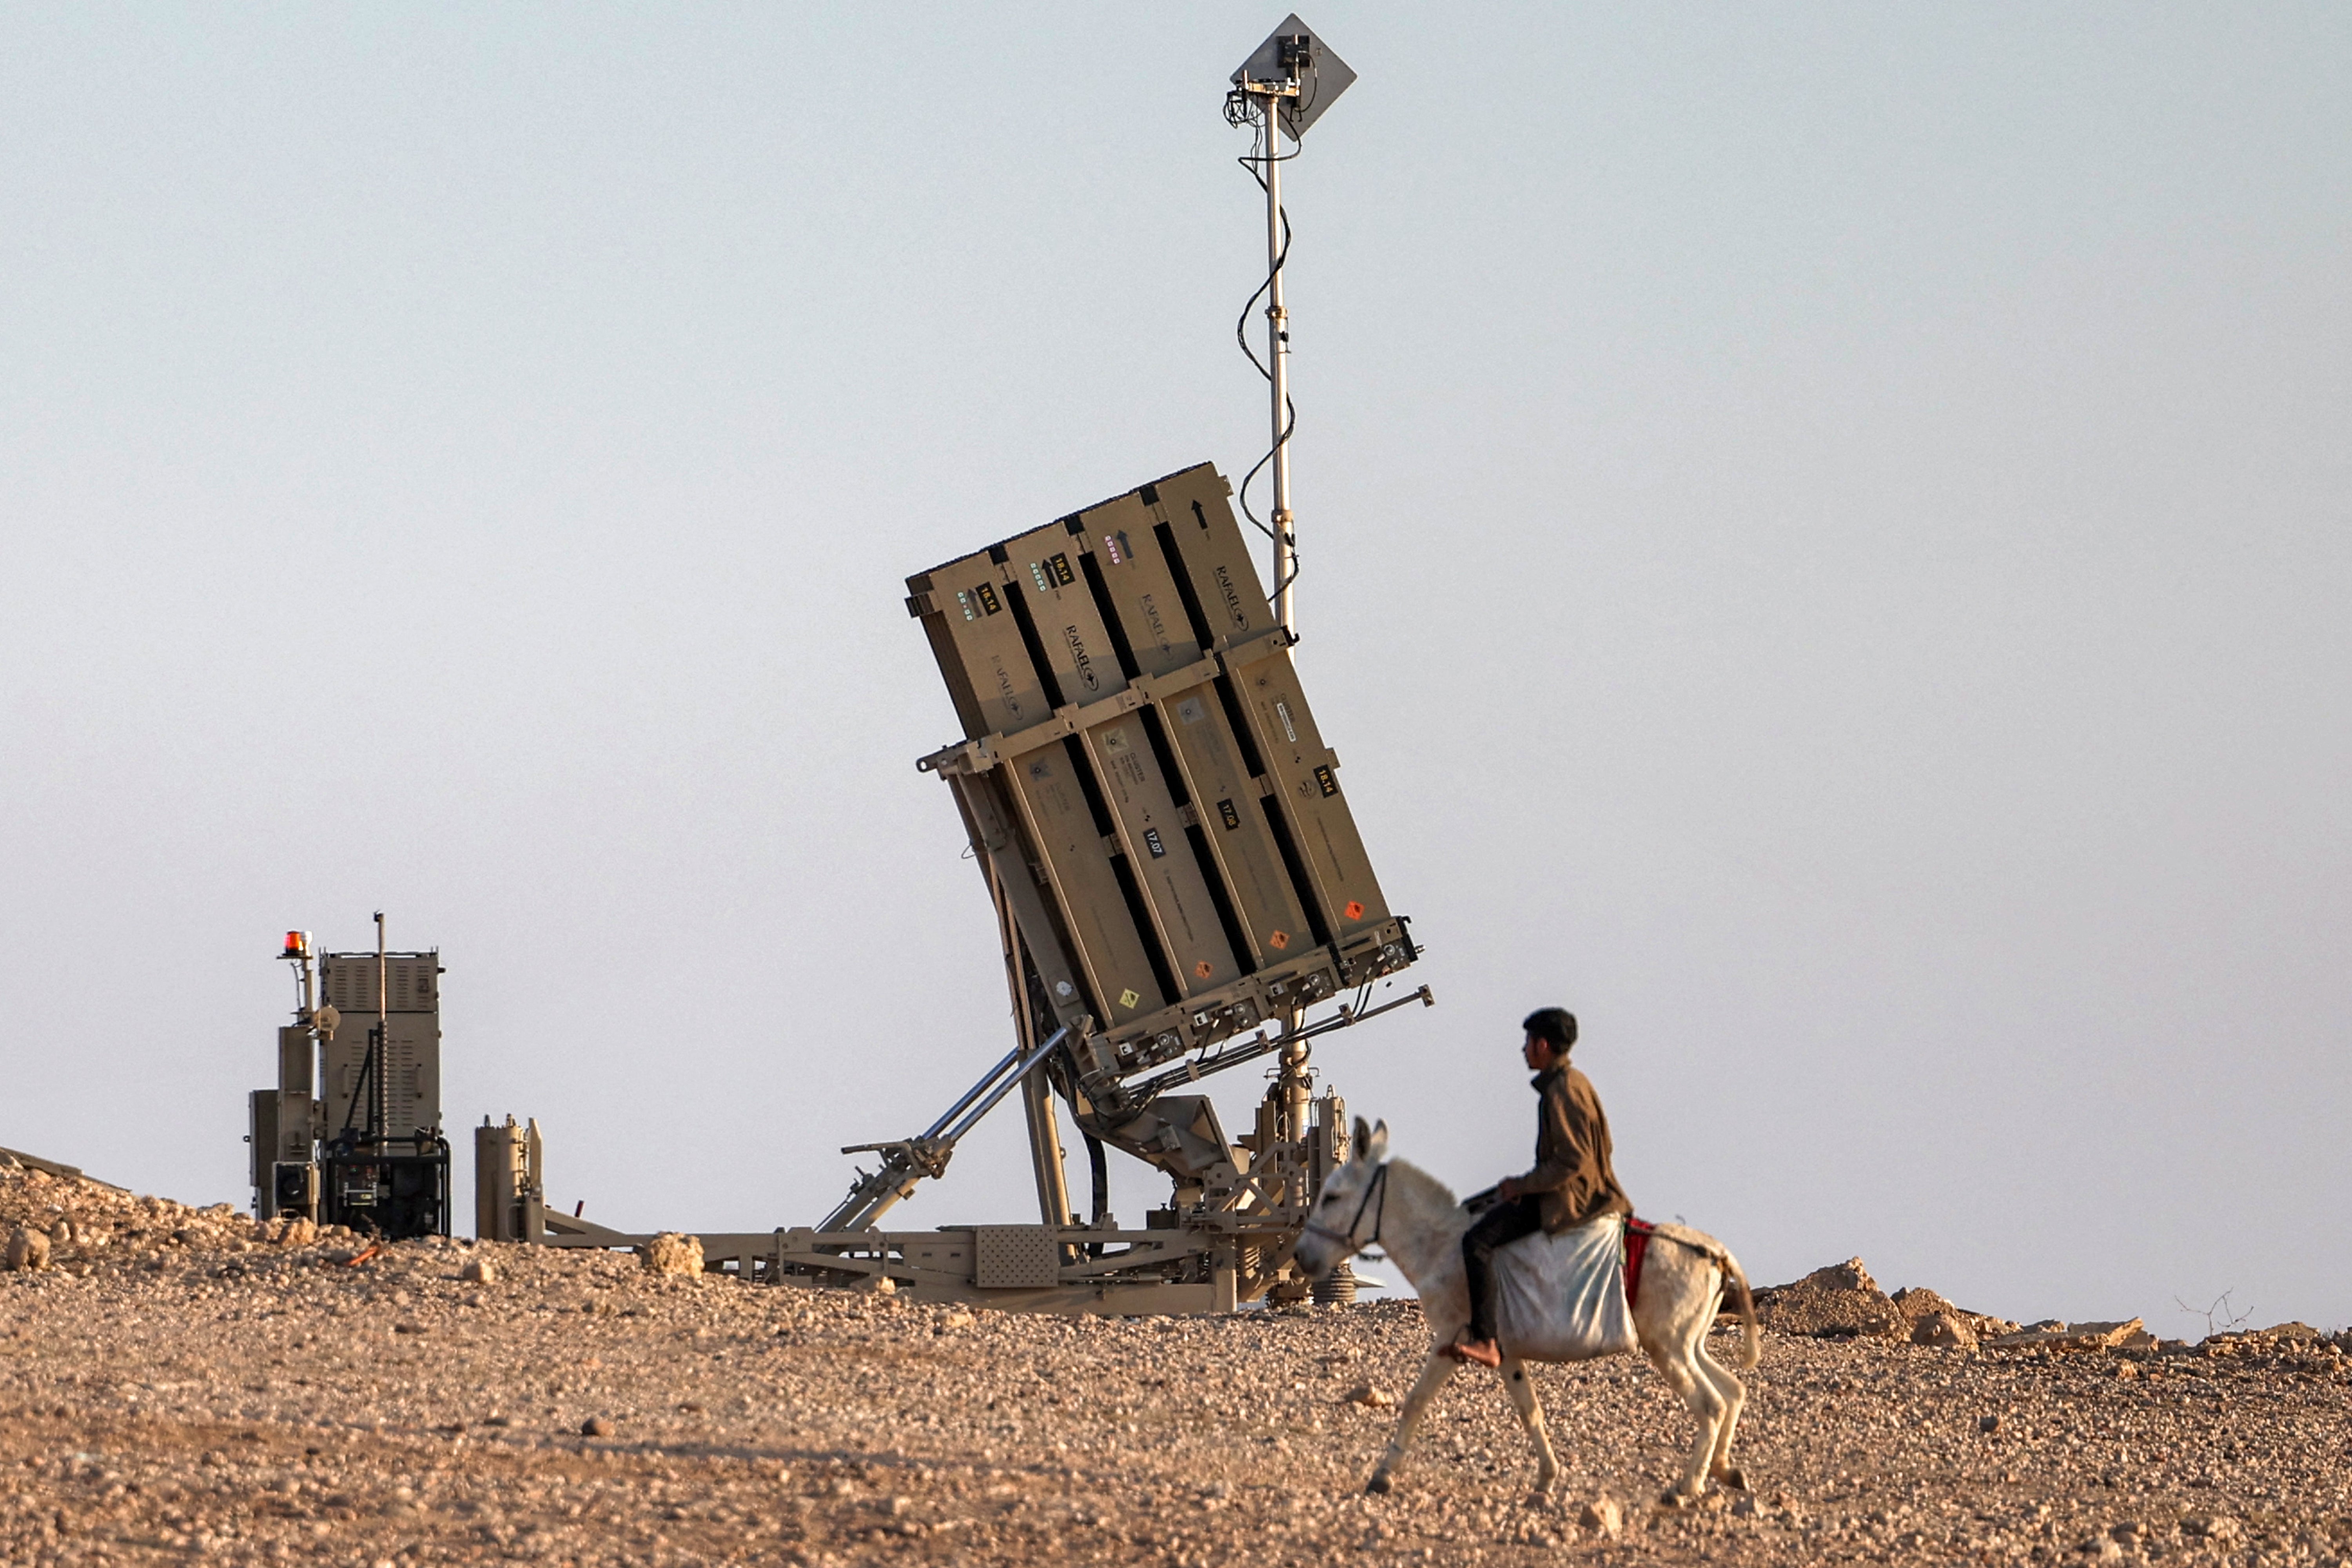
(1573, 1174)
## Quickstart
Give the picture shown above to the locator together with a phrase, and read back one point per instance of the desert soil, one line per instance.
(174, 1390)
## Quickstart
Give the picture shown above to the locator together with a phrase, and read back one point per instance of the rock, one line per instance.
(2297, 1333)
(27, 1249)
(670, 1253)
(1988, 1424)
(1602, 1516)
(1947, 1330)
(1915, 1302)
(1366, 1394)
(478, 1270)
(2099, 1549)
(2058, 1336)
(1848, 1276)
(2110, 1334)
(595, 1427)
(1842, 1300)
(2211, 1526)
(879, 1285)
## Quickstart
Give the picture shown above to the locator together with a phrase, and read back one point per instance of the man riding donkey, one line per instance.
(1571, 1183)
(1596, 1281)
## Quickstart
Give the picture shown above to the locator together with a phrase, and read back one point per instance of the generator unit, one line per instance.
(352, 1134)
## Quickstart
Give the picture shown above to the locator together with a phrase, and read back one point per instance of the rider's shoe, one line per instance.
(1477, 1352)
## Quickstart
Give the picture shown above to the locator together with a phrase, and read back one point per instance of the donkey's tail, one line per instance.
(1751, 1341)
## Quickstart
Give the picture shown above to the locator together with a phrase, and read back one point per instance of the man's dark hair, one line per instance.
(1557, 1025)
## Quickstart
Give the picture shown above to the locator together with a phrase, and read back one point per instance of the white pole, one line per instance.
(1277, 335)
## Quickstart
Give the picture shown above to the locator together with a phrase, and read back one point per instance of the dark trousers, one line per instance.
(1496, 1228)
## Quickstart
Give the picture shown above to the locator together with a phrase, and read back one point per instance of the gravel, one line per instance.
(233, 1401)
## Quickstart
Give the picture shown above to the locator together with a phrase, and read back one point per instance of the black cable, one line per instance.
(1098, 1169)
(1267, 149)
(367, 1070)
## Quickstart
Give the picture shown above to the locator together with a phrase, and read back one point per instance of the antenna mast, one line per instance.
(1281, 90)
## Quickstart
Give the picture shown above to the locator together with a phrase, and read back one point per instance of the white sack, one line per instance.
(1562, 1297)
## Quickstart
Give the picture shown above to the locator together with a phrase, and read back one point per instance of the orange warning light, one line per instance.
(1278, 940)
(1354, 911)
(298, 943)
(1203, 969)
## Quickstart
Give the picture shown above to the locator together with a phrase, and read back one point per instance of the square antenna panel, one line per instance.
(411, 1060)
(1144, 779)
(1293, 52)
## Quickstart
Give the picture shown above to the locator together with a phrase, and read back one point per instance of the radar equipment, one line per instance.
(1287, 81)
(352, 1134)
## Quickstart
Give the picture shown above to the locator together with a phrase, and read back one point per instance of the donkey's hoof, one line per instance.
(1675, 1498)
(1732, 1476)
(1379, 1483)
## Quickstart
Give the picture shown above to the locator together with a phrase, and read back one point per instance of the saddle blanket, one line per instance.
(1562, 1297)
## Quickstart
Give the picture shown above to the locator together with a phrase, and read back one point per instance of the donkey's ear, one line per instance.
(1363, 1137)
(1376, 1147)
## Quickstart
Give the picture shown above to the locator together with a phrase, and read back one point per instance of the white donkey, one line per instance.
(1372, 1199)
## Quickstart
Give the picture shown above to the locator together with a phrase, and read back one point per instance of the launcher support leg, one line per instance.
(1036, 1094)
(1045, 1150)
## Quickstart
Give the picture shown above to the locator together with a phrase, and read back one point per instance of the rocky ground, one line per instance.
(174, 1387)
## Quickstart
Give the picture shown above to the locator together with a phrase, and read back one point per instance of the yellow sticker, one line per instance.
(1128, 998)
(1280, 939)
(1203, 969)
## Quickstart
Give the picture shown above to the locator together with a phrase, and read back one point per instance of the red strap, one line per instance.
(1637, 1245)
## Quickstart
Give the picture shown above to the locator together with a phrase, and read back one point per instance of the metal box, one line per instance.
(262, 1137)
(294, 1189)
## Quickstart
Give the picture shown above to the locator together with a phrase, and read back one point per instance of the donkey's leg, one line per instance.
(1734, 1394)
(1531, 1416)
(1424, 1389)
(1675, 1364)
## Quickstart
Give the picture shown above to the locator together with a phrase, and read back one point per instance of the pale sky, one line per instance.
(1825, 545)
